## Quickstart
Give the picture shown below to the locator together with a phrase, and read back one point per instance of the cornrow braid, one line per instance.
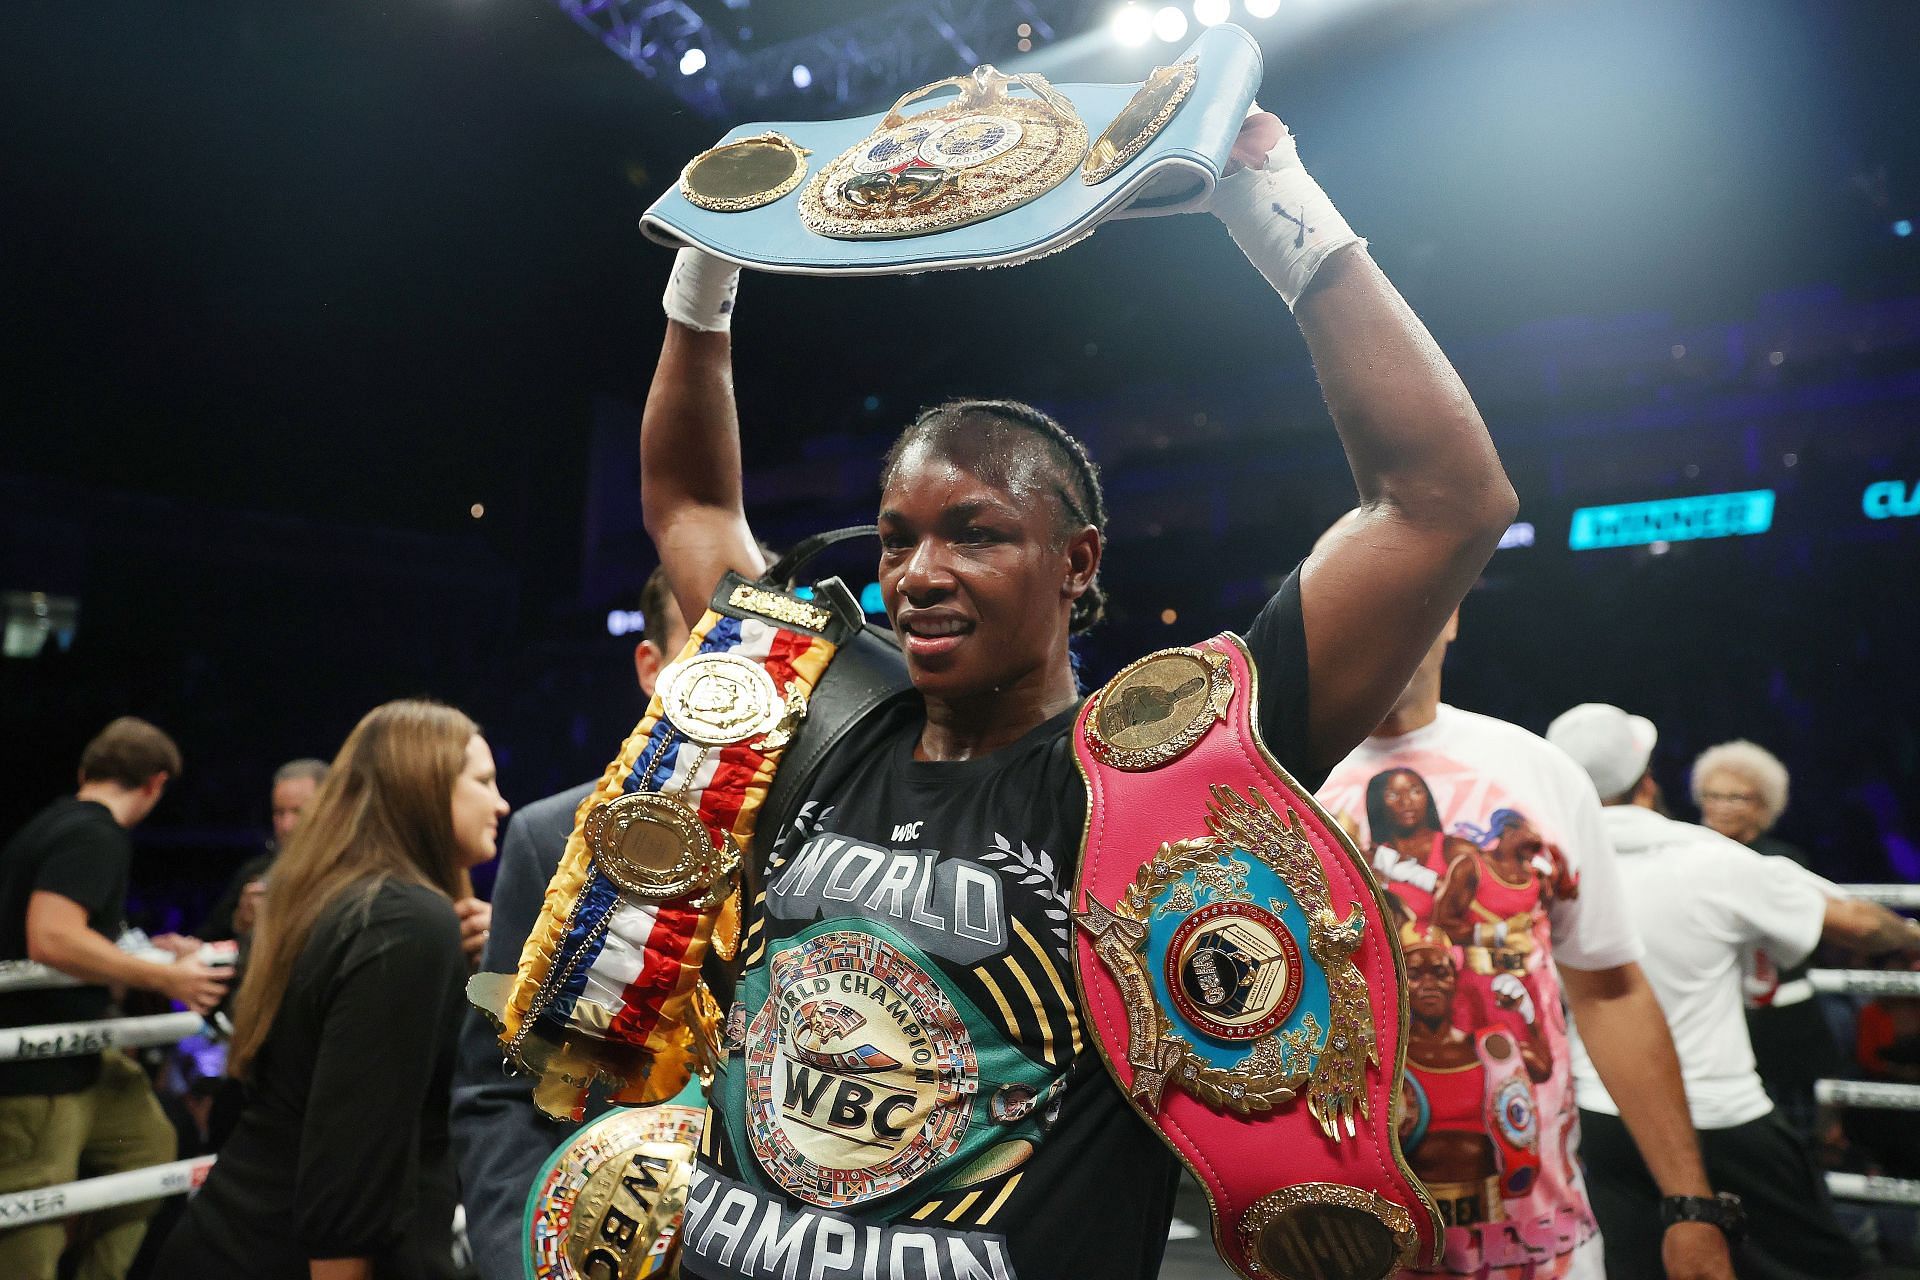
(1076, 481)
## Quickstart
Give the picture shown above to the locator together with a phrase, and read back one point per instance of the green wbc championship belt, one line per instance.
(607, 1206)
(856, 1073)
(1241, 976)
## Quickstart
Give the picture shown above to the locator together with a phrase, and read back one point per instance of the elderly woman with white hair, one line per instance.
(1741, 788)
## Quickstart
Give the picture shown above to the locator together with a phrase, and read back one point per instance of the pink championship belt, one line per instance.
(1242, 975)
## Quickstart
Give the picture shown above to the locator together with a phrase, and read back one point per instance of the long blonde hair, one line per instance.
(385, 812)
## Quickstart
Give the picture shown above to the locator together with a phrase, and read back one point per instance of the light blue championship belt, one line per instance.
(1006, 169)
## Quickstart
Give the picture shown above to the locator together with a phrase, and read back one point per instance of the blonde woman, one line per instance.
(339, 1167)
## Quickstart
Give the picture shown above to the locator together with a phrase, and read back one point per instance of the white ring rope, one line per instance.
(1887, 895)
(17, 1208)
(1866, 982)
(72, 1039)
(1868, 1093)
(1860, 1186)
(29, 975)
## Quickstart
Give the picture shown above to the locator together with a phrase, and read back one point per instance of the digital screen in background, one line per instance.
(1709, 515)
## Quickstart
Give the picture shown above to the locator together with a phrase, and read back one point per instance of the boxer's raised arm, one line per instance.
(1433, 497)
(690, 492)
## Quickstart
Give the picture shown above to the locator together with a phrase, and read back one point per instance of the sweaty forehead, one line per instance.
(990, 456)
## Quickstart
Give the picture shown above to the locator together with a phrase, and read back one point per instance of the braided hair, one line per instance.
(1020, 448)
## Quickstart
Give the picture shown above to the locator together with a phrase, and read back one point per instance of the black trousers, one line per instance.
(1792, 1233)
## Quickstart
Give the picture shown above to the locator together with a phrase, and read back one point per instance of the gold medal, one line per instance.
(744, 174)
(655, 847)
(1139, 122)
(972, 158)
(1157, 708)
(718, 699)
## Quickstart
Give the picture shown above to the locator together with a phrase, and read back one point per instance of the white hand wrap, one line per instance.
(1282, 220)
(700, 291)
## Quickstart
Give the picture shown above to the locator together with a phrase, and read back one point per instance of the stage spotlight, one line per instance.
(1903, 228)
(693, 61)
(1211, 13)
(1170, 24)
(802, 75)
(1132, 25)
(1262, 8)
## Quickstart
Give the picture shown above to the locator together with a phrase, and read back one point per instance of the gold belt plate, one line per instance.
(973, 158)
(745, 173)
(1140, 121)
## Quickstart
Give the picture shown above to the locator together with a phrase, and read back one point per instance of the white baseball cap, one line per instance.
(1612, 746)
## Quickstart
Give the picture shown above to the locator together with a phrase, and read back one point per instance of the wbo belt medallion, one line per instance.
(978, 156)
(1241, 977)
(1204, 943)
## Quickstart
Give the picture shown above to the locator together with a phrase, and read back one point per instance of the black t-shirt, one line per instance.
(73, 848)
(910, 1089)
(342, 1145)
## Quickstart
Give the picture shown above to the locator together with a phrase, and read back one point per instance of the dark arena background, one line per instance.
(326, 328)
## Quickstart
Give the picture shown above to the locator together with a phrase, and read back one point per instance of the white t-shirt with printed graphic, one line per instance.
(1485, 778)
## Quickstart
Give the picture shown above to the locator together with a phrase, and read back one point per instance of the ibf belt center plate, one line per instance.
(964, 161)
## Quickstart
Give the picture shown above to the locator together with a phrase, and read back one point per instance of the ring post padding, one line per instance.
(72, 1039)
(1868, 1093)
(1860, 1186)
(1866, 982)
(18, 1208)
(1887, 895)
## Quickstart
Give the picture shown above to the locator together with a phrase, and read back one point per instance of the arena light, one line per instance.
(1711, 515)
(625, 622)
(802, 75)
(1518, 534)
(1132, 25)
(1891, 500)
(1211, 13)
(1170, 24)
(1262, 8)
(693, 61)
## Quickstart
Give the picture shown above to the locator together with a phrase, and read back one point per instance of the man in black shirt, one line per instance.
(63, 890)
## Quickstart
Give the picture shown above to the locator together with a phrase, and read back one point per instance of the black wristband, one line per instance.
(1723, 1211)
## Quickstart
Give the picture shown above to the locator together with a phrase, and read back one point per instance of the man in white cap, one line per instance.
(1702, 901)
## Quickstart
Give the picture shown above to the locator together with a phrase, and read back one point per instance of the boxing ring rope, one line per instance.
(1898, 896)
(1868, 1094)
(28, 975)
(1873, 1190)
(1865, 982)
(18, 1208)
(70, 1039)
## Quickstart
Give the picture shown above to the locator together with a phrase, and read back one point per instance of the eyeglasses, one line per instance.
(1728, 797)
